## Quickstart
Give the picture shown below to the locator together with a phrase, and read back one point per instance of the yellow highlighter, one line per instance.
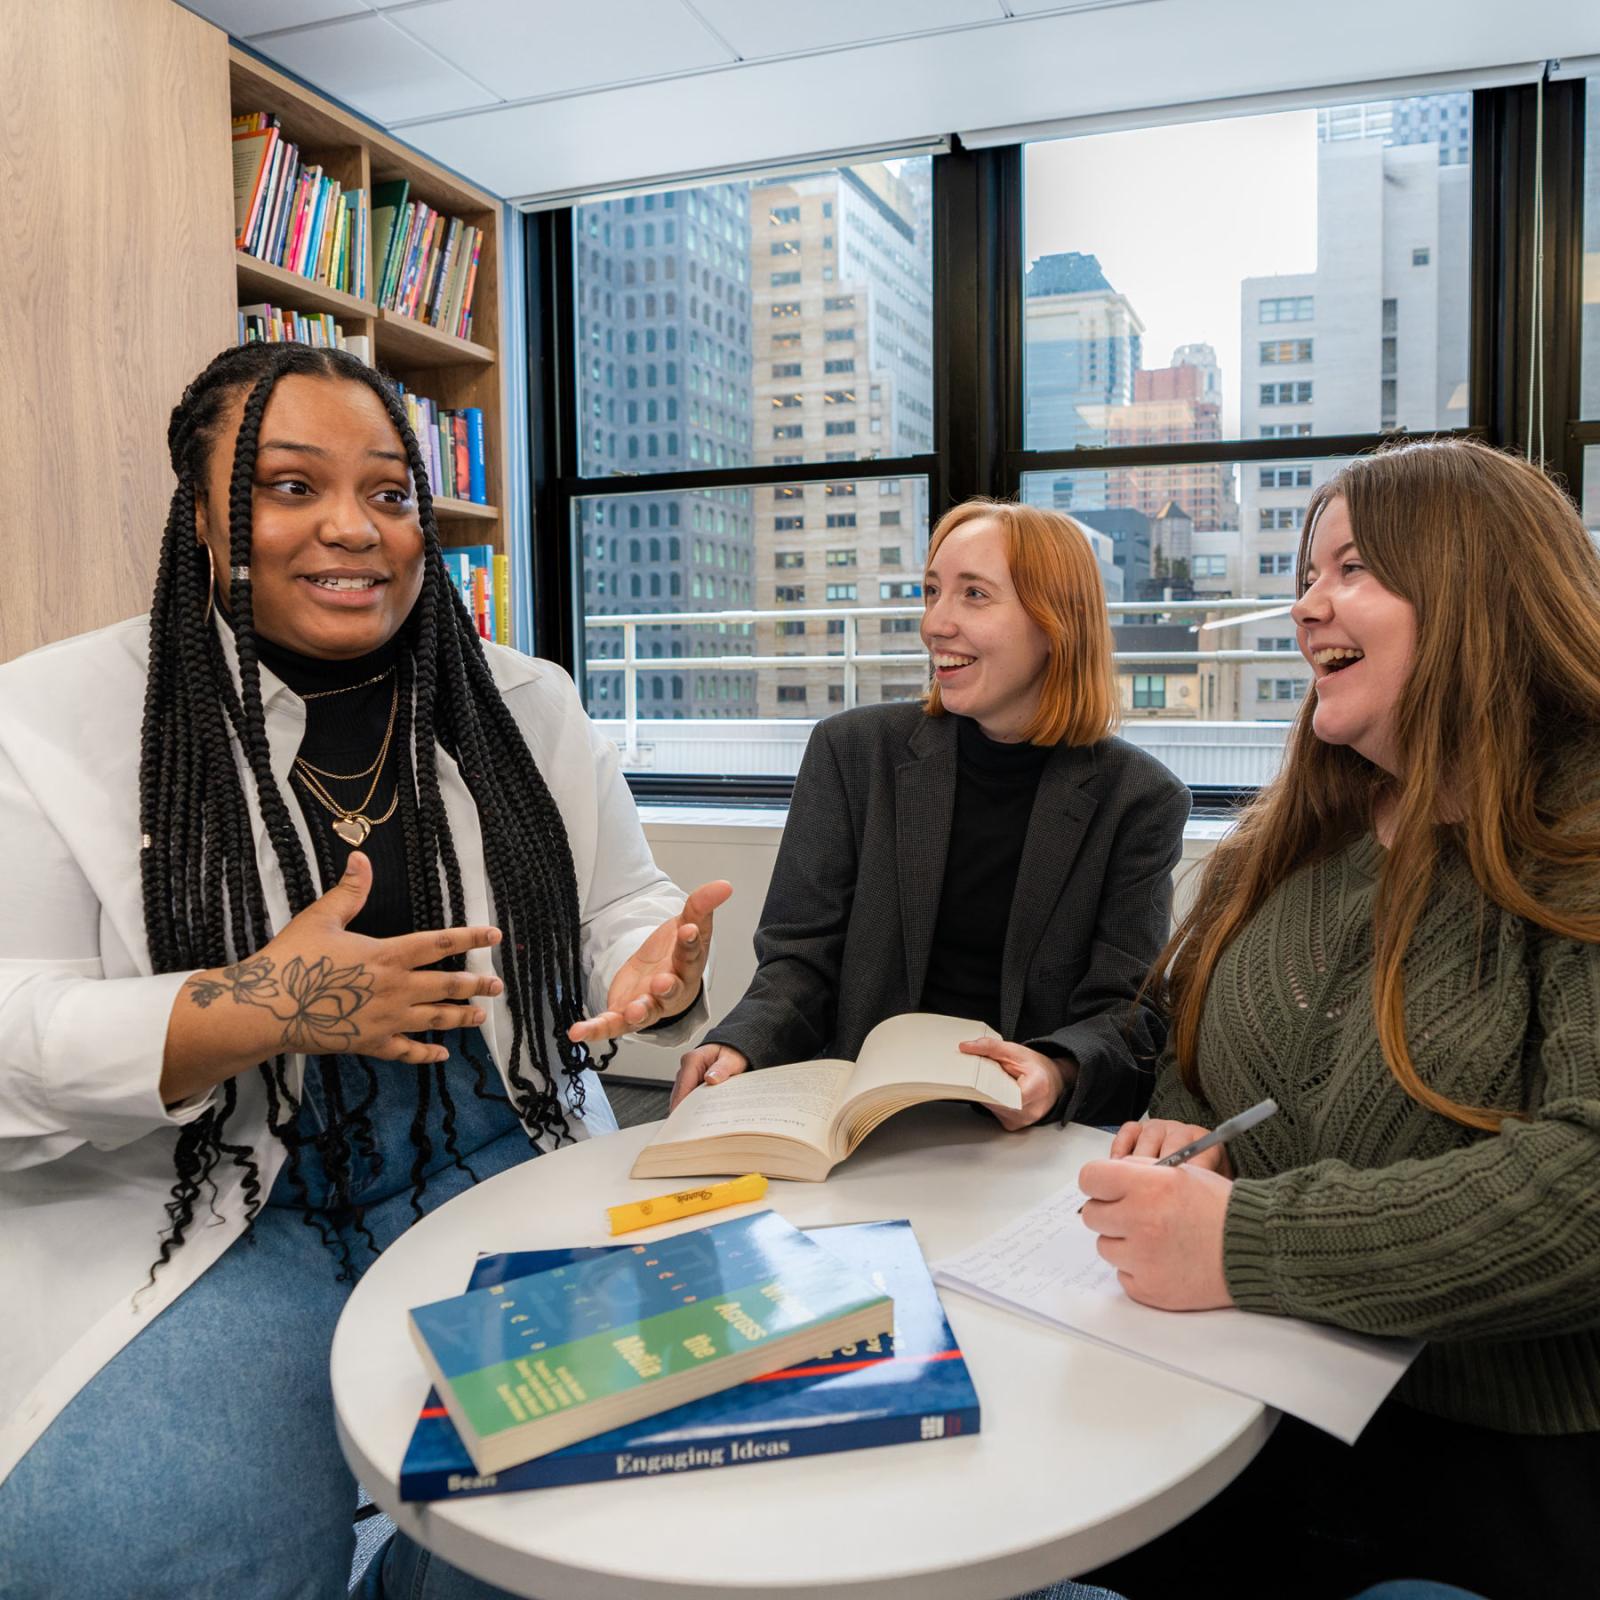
(669, 1207)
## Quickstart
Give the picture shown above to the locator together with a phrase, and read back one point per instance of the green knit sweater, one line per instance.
(1356, 1207)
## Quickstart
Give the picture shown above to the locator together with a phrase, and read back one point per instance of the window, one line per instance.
(1421, 256)
(786, 369)
(900, 589)
(791, 694)
(790, 630)
(1285, 430)
(788, 560)
(841, 519)
(789, 593)
(1281, 517)
(839, 397)
(785, 247)
(839, 302)
(1281, 689)
(1285, 394)
(789, 430)
(898, 625)
(785, 308)
(841, 591)
(1285, 477)
(787, 524)
(840, 558)
(780, 216)
(1149, 693)
(782, 401)
(1276, 564)
(1280, 352)
(1278, 642)
(888, 554)
(1209, 566)
(838, 335)
(781, 280)
(842, 364)
(835, 429)
(1287, 308)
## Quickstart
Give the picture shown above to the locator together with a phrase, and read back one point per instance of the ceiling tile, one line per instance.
(375, 68)
(246, 18)
(522, 51)
(758, 28)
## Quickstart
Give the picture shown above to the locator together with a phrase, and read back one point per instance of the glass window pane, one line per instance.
(1237, 548)
(784, 320)
(1155, 314)
(793, 560)
(1590, 503)
(1590, 350)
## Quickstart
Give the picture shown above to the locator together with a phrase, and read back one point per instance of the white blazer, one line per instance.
(86, 1145)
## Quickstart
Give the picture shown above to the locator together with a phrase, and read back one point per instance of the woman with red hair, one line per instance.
(992, 853)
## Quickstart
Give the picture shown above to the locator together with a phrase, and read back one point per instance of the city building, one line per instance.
(842, 297)
(1082, 343)
(663, 326)
(1374, 338)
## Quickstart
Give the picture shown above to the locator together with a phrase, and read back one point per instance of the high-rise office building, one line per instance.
(663, 327)
(842, 293)
(1374, 338)
(1083, 347)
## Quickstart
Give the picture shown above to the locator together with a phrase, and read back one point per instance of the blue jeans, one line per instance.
(201, 1461)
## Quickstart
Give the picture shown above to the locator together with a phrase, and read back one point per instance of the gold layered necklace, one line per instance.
(353, 824)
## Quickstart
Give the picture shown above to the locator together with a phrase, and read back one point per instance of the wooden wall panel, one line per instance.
(116, 287)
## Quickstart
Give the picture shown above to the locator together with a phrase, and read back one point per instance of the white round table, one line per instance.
(1083, 1454)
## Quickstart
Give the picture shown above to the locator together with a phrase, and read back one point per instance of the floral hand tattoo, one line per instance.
(322, 1000)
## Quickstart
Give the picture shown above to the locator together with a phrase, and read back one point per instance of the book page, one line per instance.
(920, 1047)
(796, 1102)
(1045, 1264)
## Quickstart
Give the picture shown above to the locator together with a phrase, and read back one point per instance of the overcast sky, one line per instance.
(1178, 216)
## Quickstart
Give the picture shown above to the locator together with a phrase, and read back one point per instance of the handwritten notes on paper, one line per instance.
(1044, 1265)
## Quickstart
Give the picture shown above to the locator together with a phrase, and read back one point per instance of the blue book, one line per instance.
(535, 1363)
(459, 565)
(478, 484)
(914, 1386)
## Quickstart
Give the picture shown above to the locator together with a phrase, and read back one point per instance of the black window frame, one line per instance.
(978, 362)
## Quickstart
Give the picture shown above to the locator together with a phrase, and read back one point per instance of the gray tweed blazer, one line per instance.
(848, 924)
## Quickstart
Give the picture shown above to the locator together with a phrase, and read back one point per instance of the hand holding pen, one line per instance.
(1175, 1143)
(1172, 1144)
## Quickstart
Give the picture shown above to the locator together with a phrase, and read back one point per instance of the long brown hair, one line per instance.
(1505, 582)
(1058, 584)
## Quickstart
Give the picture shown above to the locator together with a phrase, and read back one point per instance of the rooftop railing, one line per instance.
(850, 658)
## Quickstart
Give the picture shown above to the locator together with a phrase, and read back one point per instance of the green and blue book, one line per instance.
(532, 1364)
(913, 1386)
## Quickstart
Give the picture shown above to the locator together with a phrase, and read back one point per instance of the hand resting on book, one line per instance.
(710, 1063)
(1043, 1079)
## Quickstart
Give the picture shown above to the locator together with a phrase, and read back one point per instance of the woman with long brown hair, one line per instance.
(1400, 943)
(992, 853)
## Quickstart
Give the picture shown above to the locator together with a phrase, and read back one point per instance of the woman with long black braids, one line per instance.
(311, 907)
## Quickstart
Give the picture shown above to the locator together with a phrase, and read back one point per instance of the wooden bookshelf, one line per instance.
(452, 372)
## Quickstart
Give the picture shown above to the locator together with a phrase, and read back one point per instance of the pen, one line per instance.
(685, 1203)
(1220, 1134)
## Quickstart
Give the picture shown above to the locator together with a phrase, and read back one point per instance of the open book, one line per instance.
(801, 1121)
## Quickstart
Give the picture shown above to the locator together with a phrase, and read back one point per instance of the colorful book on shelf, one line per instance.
(477, 463)
(912, 1387)
(388, 208)
(253, 141)
(501, 568)
(530, 1365)
(459, 565)
(481, 598)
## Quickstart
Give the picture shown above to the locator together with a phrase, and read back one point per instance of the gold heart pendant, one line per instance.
(353, 829)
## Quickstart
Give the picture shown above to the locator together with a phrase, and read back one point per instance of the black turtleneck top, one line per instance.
(346, 714)
(995, 788)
